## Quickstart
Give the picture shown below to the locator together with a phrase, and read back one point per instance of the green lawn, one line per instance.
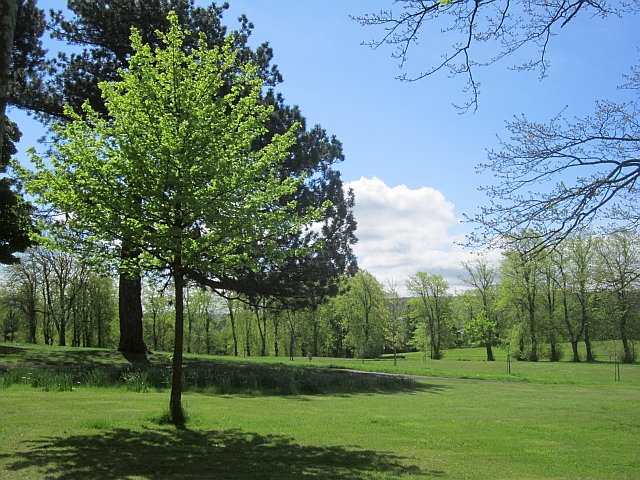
(569, 421)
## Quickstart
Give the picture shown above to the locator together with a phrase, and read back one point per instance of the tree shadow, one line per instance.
(139, 359)
(156, 453)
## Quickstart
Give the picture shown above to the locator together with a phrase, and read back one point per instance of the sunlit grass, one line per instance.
(449, 429)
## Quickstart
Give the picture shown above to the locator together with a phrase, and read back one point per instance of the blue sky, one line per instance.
(410, 156)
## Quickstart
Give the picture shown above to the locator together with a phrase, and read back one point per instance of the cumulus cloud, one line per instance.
(402, 231)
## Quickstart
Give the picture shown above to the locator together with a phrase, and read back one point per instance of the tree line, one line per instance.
(585, 291)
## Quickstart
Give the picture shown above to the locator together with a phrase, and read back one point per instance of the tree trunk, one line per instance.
(8, 17)
(628, 353)
(206, 330)
(175, 404)
(130, 308)
(130, 313)
(32, 318)
(276, 348)
(233, 328)
(574, 349)
(533, 357)
(587, 344)
(262, 329)
(490, 357)
(62, 333)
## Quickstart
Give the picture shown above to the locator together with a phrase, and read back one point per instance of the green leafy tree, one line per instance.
(619, 273)
(482, 332)
(393, 319)
(520, 273)
(575, 279)
(173, 171)
(360, 309)
(482, 277)
(432, 305)
(101, 29)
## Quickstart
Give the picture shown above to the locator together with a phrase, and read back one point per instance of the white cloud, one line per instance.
(402, 231)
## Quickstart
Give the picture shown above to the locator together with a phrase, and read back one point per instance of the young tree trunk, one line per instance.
(572, 338)
(206, 332)
(247, 338)
(233, 327)
(62, 333)
(533, 357)
(276, 348)
(32, 319)
(555, 355)
(262, 329)
(175, 404)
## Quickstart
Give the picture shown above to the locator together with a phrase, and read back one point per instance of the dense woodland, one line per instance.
(583, 292)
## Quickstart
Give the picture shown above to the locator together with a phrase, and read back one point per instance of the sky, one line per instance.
(410, 156)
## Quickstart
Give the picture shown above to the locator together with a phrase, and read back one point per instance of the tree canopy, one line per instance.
(173, 171)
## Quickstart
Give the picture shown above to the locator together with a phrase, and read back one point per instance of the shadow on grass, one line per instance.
(231, 454)
(57, 356)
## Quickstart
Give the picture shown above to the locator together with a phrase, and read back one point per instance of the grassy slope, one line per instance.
(447, 428)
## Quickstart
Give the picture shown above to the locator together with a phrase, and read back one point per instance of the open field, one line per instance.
(567, 421)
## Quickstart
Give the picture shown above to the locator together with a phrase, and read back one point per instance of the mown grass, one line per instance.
(448, 429)
(567, 421)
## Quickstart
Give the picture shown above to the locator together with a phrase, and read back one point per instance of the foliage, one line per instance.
(432, 309)
(15, 212)
(173, 173)
(53, 293)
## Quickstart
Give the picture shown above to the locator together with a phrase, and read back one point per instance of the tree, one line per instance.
(593, 160)
(620, 274)
(9, 15)
(173, 171)
(470, 25)
(21, 63)
(394, 321)
(432, 303)
(521, 279)
(14, 210)
(482, 277)
(574, 260)
(102, 28)
(367, 297)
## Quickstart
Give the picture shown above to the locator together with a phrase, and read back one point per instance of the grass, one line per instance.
(568, 421)
(453, 430)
